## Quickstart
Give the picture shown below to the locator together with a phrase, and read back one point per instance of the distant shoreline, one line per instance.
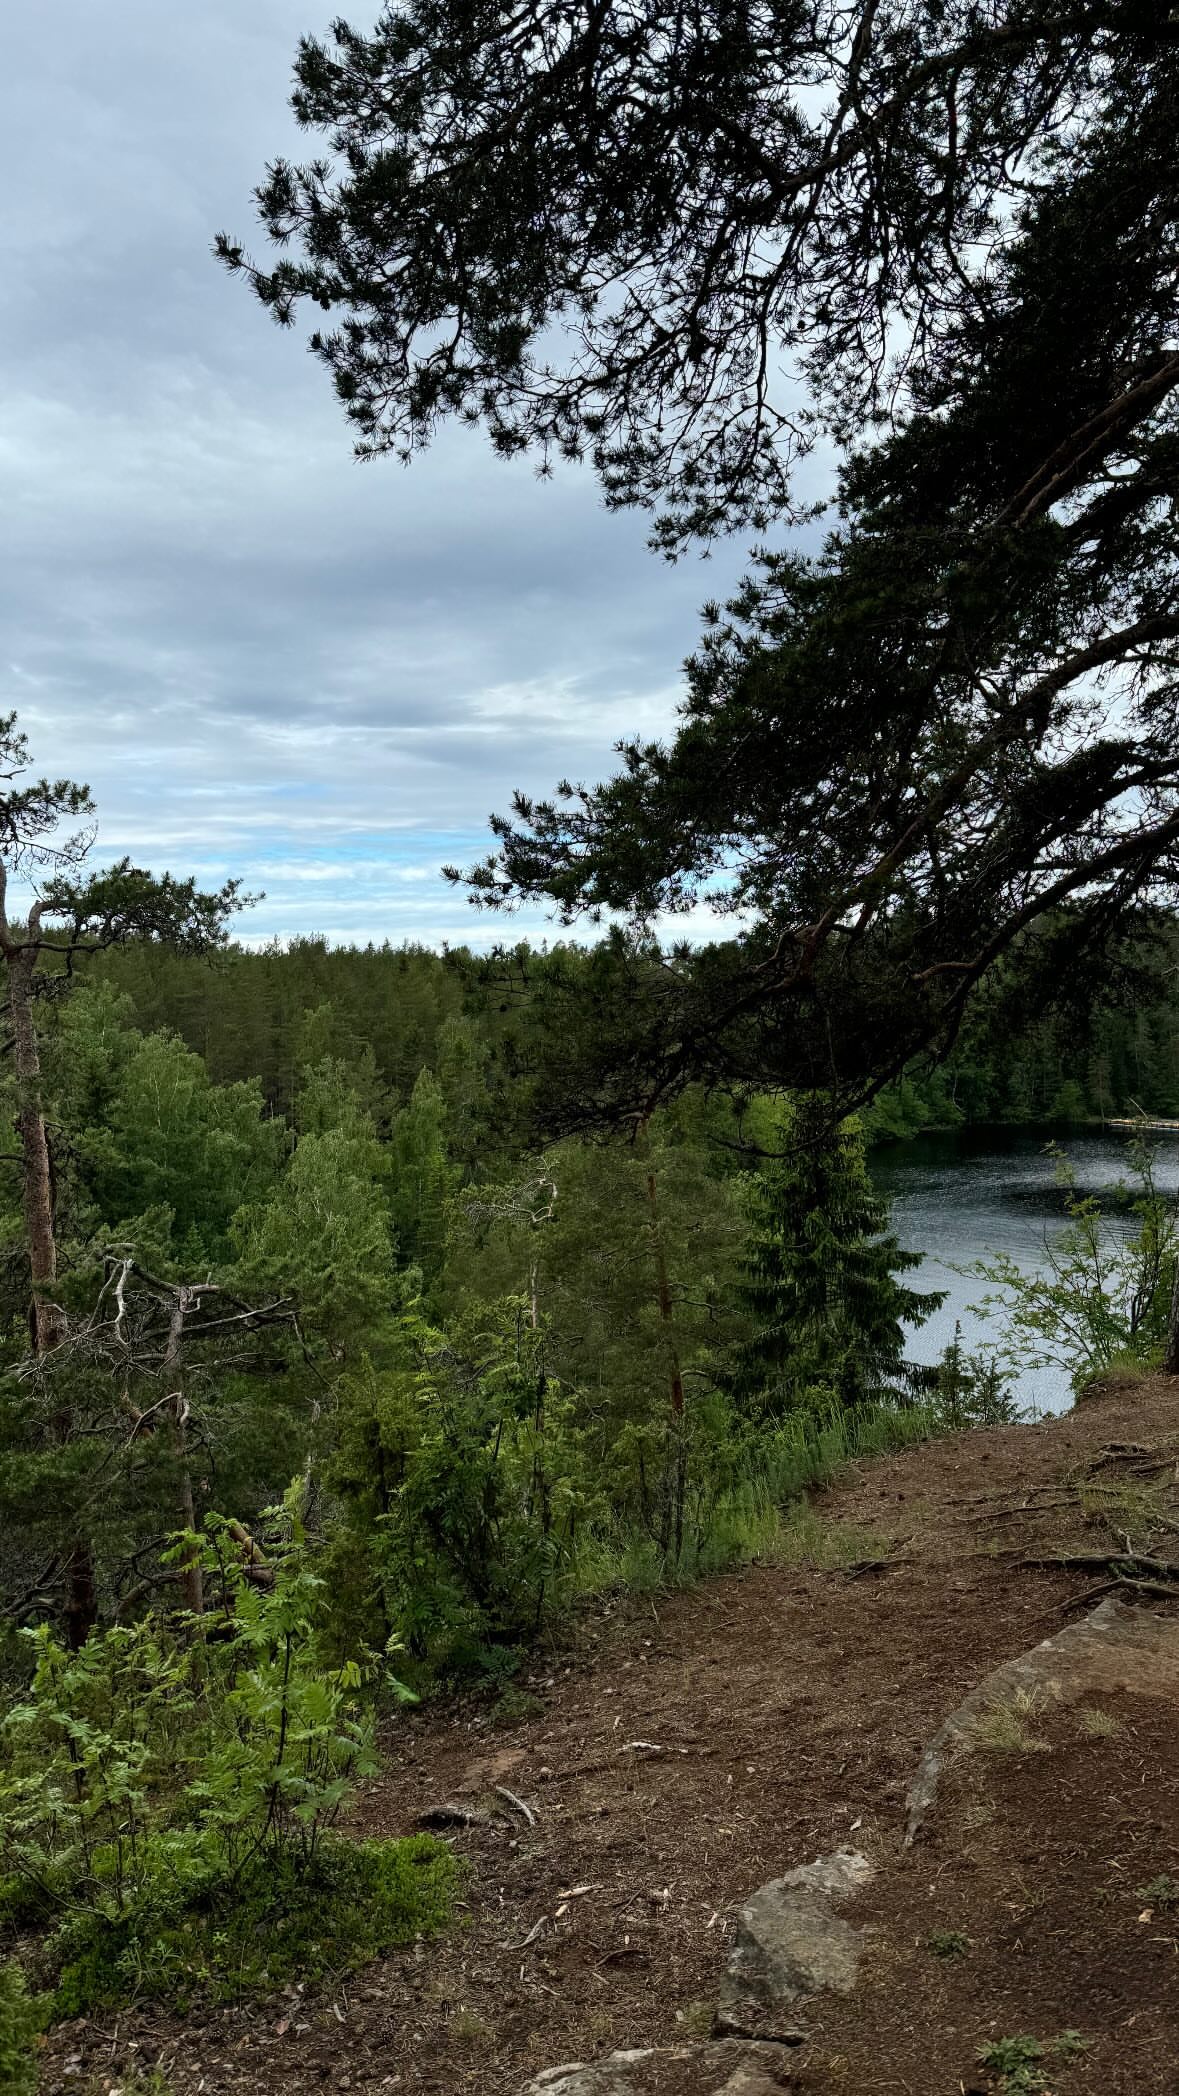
(1147, 1124)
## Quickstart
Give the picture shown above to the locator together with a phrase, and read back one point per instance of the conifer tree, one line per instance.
(640, 234)
(422, 1176)
(822, 1275)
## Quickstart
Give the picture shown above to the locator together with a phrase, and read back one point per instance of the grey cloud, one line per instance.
(253, 647)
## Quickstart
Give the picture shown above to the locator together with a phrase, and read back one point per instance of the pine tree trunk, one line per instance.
(46, 1320)
(672, 1539)
(37, 1183)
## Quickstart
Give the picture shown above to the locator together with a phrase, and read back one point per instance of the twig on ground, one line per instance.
(1119, 1586)
(866, 1566)
(502, 1791)
(537, 1929)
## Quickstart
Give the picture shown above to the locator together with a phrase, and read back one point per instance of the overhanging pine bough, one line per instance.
(607, 229)
(647, 233)
(955, 731)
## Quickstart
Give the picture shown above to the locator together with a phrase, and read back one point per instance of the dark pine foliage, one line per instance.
(958, 724)
(686, 242)
(665, 236)
(822, 1285)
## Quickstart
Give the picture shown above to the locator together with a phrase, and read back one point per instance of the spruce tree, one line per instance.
(821, 1276)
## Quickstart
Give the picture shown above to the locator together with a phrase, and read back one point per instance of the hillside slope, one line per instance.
(696, 1745)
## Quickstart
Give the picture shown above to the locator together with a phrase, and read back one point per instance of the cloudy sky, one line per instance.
(265, 658)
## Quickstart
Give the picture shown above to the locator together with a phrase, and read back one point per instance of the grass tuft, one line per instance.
(762, 1515)
(949, 1943)
(1097, 1724)
(804, 1538)
(467, 2027)
(1006, 1728)
(1161, 1892)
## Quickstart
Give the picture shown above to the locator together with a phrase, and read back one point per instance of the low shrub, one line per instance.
(20, 2022)
(1019, 2063)
(169, 1794)
(471, 1548)
(225, 1933)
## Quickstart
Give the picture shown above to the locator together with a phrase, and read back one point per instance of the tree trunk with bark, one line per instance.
(190, 1576)
(46, 1322)
(672, 1537)
(37, 1169)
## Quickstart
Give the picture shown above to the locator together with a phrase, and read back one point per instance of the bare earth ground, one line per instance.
(690, 1748)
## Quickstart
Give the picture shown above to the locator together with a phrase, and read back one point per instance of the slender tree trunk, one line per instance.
(190, 1576)
(37, 1182)
(666, 1305)
(672, 1540)
(46, 1321)
(1171, 1358)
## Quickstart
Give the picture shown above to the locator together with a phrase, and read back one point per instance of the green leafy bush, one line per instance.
(481, 1476)
(220, 1933)
(1102, 1296)
(20, 2022)
(1018, 2063)
(169, 1794)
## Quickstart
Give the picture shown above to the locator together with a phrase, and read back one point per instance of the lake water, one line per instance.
(963, 1197)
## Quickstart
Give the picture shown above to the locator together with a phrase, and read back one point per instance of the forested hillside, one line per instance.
(397, 1010)
(507, 1367)
(314, 1183)
(325, 1379)
(374, 1322)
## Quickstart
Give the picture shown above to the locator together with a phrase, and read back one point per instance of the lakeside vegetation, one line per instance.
(364, 1315)
(340, 1385)
(299, 1224)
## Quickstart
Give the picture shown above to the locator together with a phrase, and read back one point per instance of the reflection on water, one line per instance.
(963, 1197)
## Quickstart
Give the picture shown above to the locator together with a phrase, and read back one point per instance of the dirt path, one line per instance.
(686, 1751)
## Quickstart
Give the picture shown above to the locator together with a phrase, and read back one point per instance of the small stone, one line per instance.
(791, 1942)
(721, 2067)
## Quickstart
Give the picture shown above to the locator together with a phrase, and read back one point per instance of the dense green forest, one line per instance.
(348, 1384)
(342, 1381)
(394, 1011)
(323, 1381)
(339, 1147)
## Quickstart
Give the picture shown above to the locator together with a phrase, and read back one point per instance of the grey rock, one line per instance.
(1113, 1648)
(615, 2076)
(792, 1942)
(721, 2067)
